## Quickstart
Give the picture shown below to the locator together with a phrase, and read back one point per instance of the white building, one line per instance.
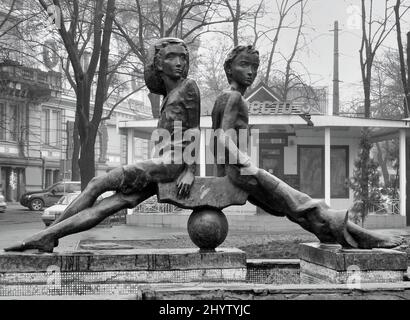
(314, 159)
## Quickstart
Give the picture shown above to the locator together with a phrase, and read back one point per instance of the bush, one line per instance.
(365, 181)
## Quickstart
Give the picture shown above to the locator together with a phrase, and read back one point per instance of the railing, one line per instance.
(29, 75)
(151, 205)
(388, 206)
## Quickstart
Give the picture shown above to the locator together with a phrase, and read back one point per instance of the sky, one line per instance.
(317, 55)
(322, 14)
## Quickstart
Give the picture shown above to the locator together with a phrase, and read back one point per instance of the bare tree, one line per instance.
(386, 88)
(405, 79)
(102, 15)
(143, 21)
(374, 32)
(284, 8)
(235, 13)
(292, 55)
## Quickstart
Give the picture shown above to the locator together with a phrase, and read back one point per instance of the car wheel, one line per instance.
(36, 204)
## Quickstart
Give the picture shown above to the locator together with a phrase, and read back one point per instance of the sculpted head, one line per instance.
(242, 64)
(166, 57)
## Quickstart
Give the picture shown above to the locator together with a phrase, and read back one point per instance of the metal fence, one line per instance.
(151, 205)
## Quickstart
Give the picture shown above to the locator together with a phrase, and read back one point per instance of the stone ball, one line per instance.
(207, 227)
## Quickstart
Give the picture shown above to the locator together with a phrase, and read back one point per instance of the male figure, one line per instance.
(266, 191)
(165, 74)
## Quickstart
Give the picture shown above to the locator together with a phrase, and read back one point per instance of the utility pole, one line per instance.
(336, 69)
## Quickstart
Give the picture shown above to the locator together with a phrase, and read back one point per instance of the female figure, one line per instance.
(165, 74)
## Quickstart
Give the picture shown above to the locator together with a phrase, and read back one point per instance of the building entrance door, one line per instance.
(271, 160)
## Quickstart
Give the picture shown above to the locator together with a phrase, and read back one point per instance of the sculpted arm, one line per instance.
(192, 104)
(228, 137)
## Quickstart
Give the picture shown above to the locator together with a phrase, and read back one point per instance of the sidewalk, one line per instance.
(18, 223)
(12, 233)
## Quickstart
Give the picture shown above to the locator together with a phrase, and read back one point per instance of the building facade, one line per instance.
(308, 148)
(37, 115)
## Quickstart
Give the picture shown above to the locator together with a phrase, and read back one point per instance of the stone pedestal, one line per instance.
(105, 272)
(332, 264)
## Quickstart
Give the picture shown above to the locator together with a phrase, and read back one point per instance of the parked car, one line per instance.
(37, 200)
(53, 212)
(3, 204)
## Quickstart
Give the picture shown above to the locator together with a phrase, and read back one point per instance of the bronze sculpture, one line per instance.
(266, 191)
(165, 74)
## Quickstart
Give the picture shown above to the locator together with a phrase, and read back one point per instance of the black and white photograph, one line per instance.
(204, 154)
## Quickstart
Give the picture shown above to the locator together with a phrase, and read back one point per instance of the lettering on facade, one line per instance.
(268, 107)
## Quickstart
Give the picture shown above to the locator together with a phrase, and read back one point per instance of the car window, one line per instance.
(52, 187)
(71, 197)
(59, 188)
(68, 188)
(67, 199)
(75, 187)
(63, 200)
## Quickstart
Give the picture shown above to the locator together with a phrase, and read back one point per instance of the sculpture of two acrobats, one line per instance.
(166, 74)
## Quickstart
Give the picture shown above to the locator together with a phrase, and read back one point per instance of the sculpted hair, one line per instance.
(152, 75)
(233, 54)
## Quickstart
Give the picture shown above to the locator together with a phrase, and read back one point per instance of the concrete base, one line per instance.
(324, 264)
(102, 272)
(252, 291)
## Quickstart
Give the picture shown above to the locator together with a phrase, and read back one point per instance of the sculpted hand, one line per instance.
(247, 167)
(184, 183)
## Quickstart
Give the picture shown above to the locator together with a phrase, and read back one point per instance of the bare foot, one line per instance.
(42, 243)
(385, 241)
(367, 239)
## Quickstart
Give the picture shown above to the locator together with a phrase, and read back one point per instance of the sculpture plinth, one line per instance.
(114, 272)
(324, 264)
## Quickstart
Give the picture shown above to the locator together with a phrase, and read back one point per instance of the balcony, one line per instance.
(20, 81)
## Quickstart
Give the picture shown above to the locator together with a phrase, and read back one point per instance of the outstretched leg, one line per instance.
(329, 225)
(97, 186)
(84, 220)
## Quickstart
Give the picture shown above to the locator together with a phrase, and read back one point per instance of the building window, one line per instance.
(141, 149)
(48, 178)
(56, 176)
(9, 121)
(311, 160)
(50, 126)
(2, 121)
(123, 149)
(12, 114)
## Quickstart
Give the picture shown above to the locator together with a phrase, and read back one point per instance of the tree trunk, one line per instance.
(366, 87)
(236, 24)
(75, 168)
(87, 160)
(407, 90)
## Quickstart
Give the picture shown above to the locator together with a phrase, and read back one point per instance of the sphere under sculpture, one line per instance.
(207, 227)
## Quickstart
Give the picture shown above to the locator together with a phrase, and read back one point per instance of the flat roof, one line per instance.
(295, 120)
